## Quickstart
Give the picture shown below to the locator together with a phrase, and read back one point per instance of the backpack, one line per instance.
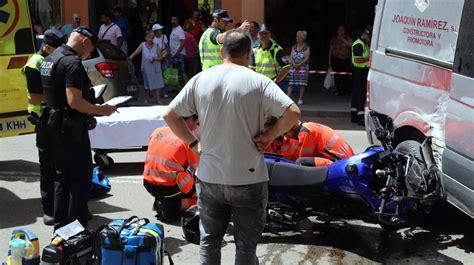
(100, 184)
(131, 241)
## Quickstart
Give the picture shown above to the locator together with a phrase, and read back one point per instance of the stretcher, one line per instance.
(127, 130)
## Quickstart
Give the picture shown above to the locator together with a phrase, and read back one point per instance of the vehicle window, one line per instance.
(110, 51)
(426, 29)
(464, 60)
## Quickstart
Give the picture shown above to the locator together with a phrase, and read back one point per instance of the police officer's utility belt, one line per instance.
(65, 122)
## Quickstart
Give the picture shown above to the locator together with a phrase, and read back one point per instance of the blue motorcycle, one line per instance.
(382, 185)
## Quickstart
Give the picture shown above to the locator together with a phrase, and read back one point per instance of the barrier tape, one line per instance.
(322, 72)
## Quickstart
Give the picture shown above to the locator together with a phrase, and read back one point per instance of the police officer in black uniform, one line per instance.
(69, 98)
(52, 39)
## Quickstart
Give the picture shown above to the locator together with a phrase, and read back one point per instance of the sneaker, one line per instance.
(300, 102)
(48, 220)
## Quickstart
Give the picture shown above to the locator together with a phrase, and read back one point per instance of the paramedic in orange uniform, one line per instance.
(169, 172)
(313, 140)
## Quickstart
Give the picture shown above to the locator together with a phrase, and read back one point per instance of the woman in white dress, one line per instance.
(151, 66)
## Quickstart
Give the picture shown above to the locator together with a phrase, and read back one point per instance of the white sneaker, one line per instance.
(300, 102)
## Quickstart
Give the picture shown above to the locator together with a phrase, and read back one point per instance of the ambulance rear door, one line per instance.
(16, 46)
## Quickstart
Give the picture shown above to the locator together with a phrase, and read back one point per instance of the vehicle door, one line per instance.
(458, 156)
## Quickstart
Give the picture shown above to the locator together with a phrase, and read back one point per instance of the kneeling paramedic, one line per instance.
(169, 171)
(70, 102)
(53, 38)
(313, 144)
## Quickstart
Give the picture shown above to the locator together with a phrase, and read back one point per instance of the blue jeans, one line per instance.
(216, 203)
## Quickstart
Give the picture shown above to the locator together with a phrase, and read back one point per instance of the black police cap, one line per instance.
(54, 37)
(88, 33)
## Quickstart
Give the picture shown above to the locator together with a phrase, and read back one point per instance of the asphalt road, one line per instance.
(447, 238)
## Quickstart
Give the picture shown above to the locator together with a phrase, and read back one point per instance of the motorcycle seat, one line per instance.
(294, 177)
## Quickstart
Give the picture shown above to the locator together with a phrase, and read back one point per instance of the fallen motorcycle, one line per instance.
(382, 185)
(386, 186)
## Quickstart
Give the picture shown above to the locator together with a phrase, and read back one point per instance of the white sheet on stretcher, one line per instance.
(129, 128)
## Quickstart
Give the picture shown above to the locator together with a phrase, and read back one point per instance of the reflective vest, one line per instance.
(169, 161)
(317, 140)
(266, 62)
(209, 52)
(365, 54)
(34, 63)
(287, 147)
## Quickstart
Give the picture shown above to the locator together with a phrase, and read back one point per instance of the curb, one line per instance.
(325, 113)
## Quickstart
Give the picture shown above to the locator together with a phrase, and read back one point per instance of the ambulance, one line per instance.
(421, 81)
(16, 46)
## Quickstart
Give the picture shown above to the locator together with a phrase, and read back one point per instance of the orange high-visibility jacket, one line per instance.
(167, 159)
(284, 146)
(317, 140)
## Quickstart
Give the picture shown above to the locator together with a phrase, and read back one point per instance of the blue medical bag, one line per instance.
(132, 241)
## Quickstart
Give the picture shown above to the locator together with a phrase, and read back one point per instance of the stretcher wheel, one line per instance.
(103, 160)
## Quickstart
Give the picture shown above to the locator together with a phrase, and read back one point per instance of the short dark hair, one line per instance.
(106, 14)
(117, 9)
(255, 24)
(236, 43)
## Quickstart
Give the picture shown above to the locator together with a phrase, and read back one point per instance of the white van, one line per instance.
(422, 80)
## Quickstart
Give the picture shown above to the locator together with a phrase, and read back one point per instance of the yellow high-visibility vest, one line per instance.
(209, 52)
(365, 54)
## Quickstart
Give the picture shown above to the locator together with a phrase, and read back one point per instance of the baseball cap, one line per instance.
(156, 27)
(88, 33)
(54, 37)
(264, 28)
(222, 14)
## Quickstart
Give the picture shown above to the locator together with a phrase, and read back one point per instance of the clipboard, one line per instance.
(99, 90)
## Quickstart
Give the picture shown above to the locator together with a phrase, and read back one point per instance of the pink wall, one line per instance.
(240, 10)
(71, 7)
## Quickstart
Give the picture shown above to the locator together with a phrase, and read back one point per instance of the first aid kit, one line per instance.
(132, 241)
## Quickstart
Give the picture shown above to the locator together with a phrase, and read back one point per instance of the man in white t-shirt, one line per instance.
(231, 102)
(110, 31)
(178, 53)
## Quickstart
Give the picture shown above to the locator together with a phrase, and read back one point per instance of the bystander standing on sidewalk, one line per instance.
(110, 31)
(151, 66)
(191, 61)
(232, 176)
(177, 50)
(68, 28)
(124, 26)
(197, 26)
(339, 60)
(299, 59)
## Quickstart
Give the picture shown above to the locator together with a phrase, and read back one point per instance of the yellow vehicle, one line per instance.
(16, 46)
